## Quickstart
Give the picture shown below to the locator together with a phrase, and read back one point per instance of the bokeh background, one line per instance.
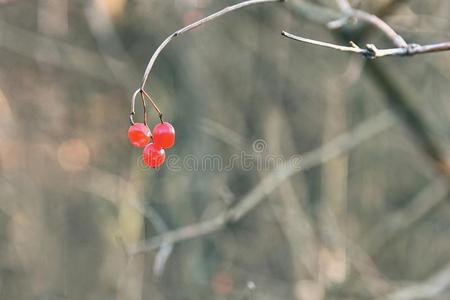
(370, 223)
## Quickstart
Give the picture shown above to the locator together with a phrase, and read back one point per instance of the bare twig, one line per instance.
(353, 48)
(382, 26)
(346, 8)
(371, 51)
(193, 26)
(402, 47)
(335, 148)
(178, 33)
(146, 95)
(398, 91)
(382, 12)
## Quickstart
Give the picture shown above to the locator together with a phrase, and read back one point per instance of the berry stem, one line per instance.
(153, 103)
(132, 111)
(143, 95)
(144, 107)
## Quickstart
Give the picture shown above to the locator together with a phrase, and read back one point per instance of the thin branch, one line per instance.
(382, 12)
(193, 26)
(181, 234)
(353, 48)
(179, 32)
(160, 226)
(371, 51)
(146, 95)
(346, 8)
(399, 94)
(338, 146)
(382, 26)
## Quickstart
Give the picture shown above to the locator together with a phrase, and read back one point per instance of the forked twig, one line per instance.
(143, 95)
(146, 95)
(371, 51)
(350, 12)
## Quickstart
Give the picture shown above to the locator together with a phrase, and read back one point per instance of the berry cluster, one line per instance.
(163, 137)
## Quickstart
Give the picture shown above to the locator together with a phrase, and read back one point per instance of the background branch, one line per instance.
(428, 289)
(64, 152)
(334, 148)
(392, 225)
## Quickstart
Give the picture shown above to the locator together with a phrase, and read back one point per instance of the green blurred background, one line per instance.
(370, 224)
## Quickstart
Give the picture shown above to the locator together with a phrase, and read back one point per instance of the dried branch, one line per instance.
(179, 32)
(338, 146)
(193, 26)
(399, 92)
(382, 26)
(371, 51)
(382, 12)
(346, 8)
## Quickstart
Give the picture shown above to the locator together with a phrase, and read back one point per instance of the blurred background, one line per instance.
(371, 221)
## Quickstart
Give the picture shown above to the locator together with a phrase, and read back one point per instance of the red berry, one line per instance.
(153, 155)
(164, 135)
(139, 134)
